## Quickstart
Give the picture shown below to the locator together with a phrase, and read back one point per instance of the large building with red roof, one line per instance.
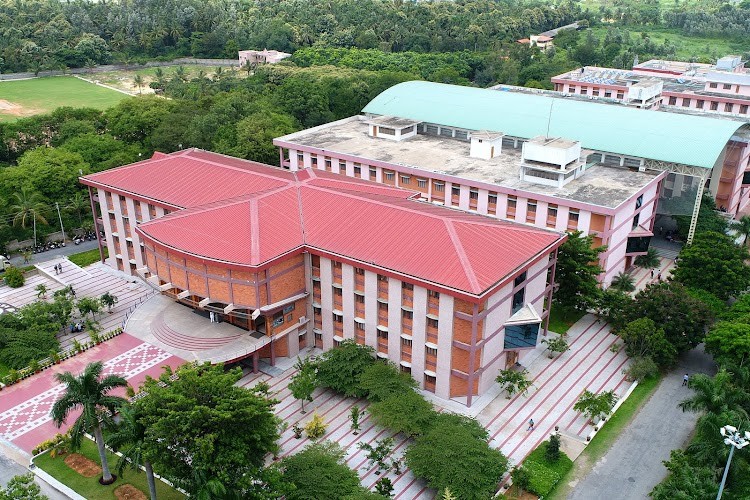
(311, 258)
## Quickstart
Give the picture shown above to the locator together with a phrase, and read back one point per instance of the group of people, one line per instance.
(58, 268)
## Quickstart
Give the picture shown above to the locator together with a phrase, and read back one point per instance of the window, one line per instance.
(342, 166)
(407, 314)
(531, 208)
(382, 278)
(595, 91)
(439, 187)
(433, 294)
(728, 107)
(455, 191)
(713, 85)
(337, 291)
(607, 93)
(672, 100)
(383, 306)
(699, 103)
(360, 299)
(620, 95)
(518, 299)
(584, 90)
(336, 264)
(359, 326)
(314, 160)
(389, 176)
(686, 103)
(328, 163)
(278, 318)
(373, 174)
(473, 194)
(639, 202)
(636, 219)
(407, 286)
(432, 323)
(743, 109)
(422, 183)
(386, 131)
(519, 279)
(431, 351)
(727, 86)
(552, 211)
(315, 260)
(405, 179)
(492, 198)
(357, 170)
(337, 318)
(359, 271)
(512, 202)
(714, 106)
(382, 335)
(406, 342)
(122, 199)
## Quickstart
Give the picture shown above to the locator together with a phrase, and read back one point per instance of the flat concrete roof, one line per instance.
(601, 185)
(392, 121)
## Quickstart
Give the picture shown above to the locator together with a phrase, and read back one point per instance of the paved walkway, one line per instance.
(633, 466)
(8, 469)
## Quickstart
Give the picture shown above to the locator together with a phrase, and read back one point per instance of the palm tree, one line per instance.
(248, 67)
(128, 438)
(28, 207)
(742, 226)
(649, 260)
(218, 73)
(89, 392)
(717, 394)
(180, 73)
(623, 282)
(78, 204)
(138, 82)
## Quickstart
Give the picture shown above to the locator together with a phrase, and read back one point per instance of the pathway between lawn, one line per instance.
(633, 466)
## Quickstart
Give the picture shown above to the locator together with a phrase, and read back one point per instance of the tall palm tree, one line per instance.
(717, 394)
(128, 438)
(180, 73)
(138, 82)
(78, 204)
(742, 226)
(89, 391)
(28, 207)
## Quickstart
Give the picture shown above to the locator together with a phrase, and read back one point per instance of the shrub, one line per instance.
(561, 466)
(409, 413)
(595, 405)
(543, 479)
(316, 427)
(340, 368)
(514, 381)
(319, 471)
(382, 379)
(14, 277)
(641, 368)
(552, 451)
(521, 478)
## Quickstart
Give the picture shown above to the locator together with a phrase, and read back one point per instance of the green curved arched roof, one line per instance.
(670, 137)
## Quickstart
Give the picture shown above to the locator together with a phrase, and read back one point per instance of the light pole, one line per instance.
(733, 438)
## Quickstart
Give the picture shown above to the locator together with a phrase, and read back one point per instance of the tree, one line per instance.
(610, 305)
(89, 392)
(340, 368)
(729, 343)
(714, 263)
(408, 412)
(303, 382)
(138, 82)
(222, 431)
(742, 228)
(128, 438)
(355, 415)
(514, 381)
(22, 488)
(717, 394)
(643, 339)
(376, 455)
(552, 451)
(41, 291)
(595, 405)
(577, 271)
(88, 305)
(683, 318)
(382, 379)
(109, 300)
(451, 456)
(649, 260)
(685, 481)
(78, 205)
(14, 277)
(29, 206)
(521, 479)
(623, 282)
(556, 344)
(319, 472)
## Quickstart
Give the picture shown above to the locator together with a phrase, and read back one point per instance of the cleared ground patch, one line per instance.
(20, 98)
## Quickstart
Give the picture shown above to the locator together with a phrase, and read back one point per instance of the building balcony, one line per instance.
(359, 310)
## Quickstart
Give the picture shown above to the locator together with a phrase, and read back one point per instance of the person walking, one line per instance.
(531, 425)
(685, 380)
(652, 274)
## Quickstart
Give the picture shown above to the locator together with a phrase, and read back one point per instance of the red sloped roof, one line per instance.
(357, 219)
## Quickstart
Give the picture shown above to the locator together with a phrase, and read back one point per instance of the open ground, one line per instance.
(20, 98)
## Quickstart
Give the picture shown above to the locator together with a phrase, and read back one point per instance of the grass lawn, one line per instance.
(561, 319)
(607, 436)
(87, 258)
(42, 95)
(90, 487)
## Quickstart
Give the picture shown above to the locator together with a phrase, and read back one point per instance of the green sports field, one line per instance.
(22, 98)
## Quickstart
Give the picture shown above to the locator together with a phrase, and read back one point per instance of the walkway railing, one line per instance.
(132, 308)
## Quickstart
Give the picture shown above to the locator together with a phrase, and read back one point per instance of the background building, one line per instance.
(311, 258)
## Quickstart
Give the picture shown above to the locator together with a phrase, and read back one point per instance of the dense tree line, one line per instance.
(49, 33)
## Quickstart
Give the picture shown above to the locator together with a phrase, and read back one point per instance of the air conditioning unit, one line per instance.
(302, 319)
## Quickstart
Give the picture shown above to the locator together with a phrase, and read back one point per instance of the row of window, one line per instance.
(714, 105)
(382, 306)
(595, 91)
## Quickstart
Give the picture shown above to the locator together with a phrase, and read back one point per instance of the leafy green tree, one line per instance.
(685, 481)
(22, 488)
(139, 82)
(134, 120)
(610, 305)
(406, 412)
(382, 379)
(128, 438)
(552, 451)
(717, 394)
(577, 272)
(223, 431)
(729, 343)
(556, 344)
(88, 305)
(319, 472)
(450, 456)
(595, 405)
(89, 392)
(14, 277)
(51, 172)
(341, 368)
(514, 381)
(108, 300)
(521, 479)
(643, 339)
(714, 263)
(641, 368)
(41, 291)
(303, 383)
(742, 228)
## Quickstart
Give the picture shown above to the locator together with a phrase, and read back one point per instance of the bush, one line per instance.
(641, 368)
(552, 451)
(561, 466)
(319, 472)
(409, 413)
(381, 380)
(340, 368)
(543, 479)
(14, 278)
(316, 427)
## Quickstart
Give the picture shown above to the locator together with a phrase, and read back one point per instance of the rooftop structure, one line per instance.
(264, 56)
(311, 258)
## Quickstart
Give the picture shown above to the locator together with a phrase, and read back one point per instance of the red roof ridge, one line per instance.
(254, 239)
(468, 269)
(232, 167)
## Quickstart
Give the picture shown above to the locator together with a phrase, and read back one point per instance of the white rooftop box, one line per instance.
(551, 150)
(486, 144)
(644, 90)
(728, 63)
(392, 127)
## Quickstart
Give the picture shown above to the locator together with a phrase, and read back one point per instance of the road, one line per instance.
(9, 468)
(633, 466)
(68, 249)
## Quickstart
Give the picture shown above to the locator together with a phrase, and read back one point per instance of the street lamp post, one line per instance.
(734, 439)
